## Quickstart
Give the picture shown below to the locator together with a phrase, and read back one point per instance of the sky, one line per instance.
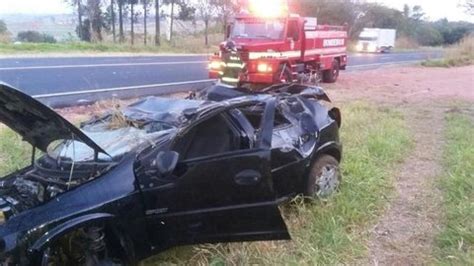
(434, 9)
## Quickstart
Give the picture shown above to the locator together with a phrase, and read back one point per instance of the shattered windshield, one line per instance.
(259, 29)
(121, 131)
(115, 142)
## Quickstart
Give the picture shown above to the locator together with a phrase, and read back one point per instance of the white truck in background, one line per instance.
(374, 40)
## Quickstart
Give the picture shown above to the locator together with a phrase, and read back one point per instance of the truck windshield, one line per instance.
(367, 38)
(258, 29)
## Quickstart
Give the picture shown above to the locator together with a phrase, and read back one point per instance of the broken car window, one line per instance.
(213, 136)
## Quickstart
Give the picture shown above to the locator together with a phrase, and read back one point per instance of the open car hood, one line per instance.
(36, 123)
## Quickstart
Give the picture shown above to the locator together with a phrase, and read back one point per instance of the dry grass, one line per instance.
(406, 43)
(461, 54)
(5, 38)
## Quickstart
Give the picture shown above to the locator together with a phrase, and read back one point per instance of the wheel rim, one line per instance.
(327, 182)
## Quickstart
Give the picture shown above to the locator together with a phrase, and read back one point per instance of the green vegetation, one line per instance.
(4, 34)
(191, 44)
(455, 243)
(3, 27)
(411, 23)
(461, 54)
(35, 37)
(326, 232)
(14, 153)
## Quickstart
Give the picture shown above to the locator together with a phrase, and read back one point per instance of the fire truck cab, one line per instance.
(279, 48)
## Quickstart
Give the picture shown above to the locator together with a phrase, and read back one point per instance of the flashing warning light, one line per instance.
(268, 8)
(215, 65)
(264, 67)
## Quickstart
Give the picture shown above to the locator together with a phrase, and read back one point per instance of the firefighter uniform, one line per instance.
(233, 67)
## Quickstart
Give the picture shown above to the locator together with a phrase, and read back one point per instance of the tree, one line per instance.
(78, 5)
(373, 15)
(94, 13)
(172, 3)
(417, 13)
(112, 13)
(83, 30)
(146, 4)
(120, 4)
(157, 22)
(225, 9)
(3, 27)
(206, 11)
(469, 7)
(132, 20)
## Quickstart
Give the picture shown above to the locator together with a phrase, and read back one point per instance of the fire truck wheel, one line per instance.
(330, 76)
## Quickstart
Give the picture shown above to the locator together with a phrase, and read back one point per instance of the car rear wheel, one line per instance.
(324, 177)
(331, 75)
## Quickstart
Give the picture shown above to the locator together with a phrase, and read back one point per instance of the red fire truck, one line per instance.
(267, 45)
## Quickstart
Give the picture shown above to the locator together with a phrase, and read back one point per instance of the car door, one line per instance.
(222, 191)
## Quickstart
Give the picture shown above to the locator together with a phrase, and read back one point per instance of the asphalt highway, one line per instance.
(68, 80)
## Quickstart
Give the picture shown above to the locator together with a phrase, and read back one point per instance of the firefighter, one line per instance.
(233, 65)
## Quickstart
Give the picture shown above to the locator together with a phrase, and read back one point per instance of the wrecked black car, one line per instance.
(163, 172)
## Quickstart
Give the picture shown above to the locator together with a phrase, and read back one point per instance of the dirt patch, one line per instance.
(399, 85)
(405, 232)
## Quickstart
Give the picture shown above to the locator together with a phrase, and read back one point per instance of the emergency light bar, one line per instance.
(268, 8)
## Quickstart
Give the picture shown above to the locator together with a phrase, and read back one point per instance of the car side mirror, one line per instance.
(166, 162)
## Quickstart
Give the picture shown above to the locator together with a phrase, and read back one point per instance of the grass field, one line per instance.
(455, 243)
(14, 153)
(325, 232)
(181, 44)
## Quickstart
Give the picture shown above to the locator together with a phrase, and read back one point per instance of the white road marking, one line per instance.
(59, 94)
(103, 65)
(384, 64)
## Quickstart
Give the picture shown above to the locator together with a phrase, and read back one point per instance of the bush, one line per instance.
(5, 38)
(3, 27)
(460, 54)
(34, 36)
(404, 42)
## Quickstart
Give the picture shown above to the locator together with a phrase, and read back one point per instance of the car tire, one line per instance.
(56, 255)
(331, 75)
(324, 178)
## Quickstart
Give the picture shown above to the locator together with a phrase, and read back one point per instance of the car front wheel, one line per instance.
(84, 247)
(324, 177)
